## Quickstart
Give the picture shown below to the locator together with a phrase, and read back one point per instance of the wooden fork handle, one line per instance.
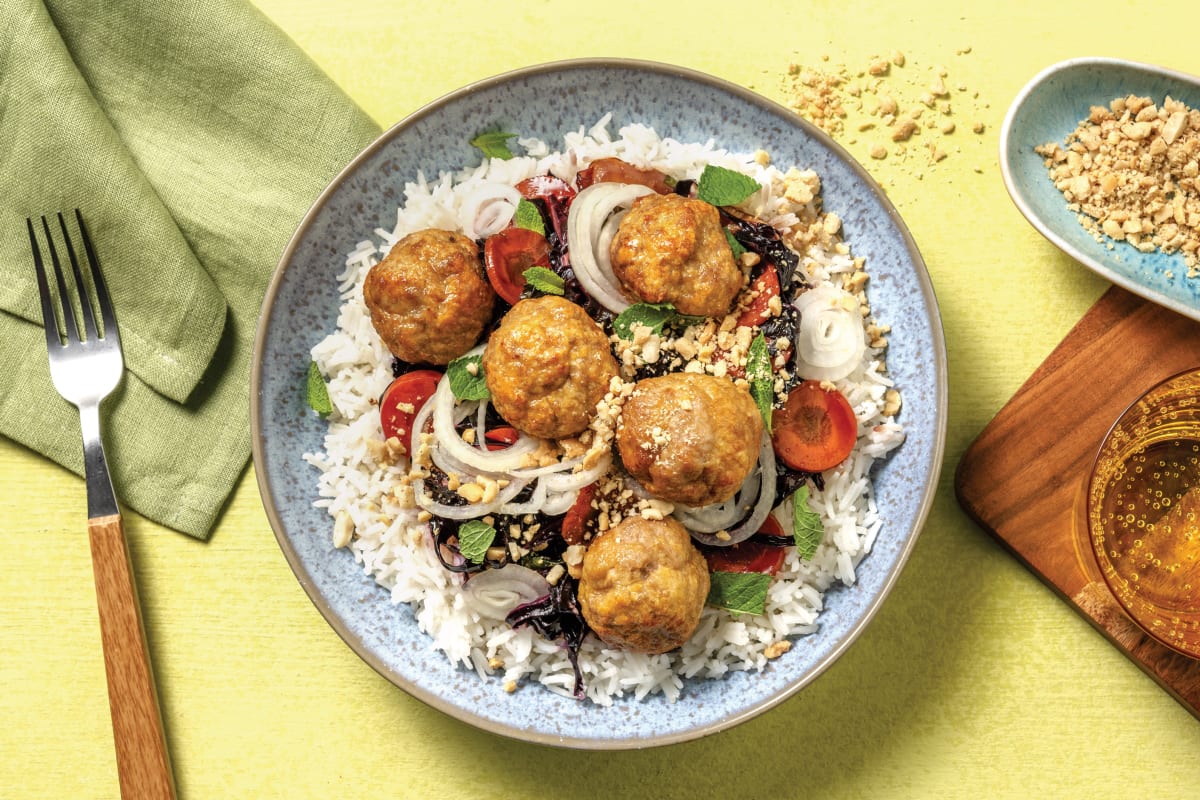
(143, 764)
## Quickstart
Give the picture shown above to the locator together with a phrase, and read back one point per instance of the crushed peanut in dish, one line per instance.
(1130, 172)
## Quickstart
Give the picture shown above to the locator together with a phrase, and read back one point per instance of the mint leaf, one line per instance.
(653, 315)
(734, 245)
(466, 378)
(740, 592)
(494, 144)
(528, 216)
(807, 529)
(724, 187)
(544, 280)
(318, 392)
(474, 538)
(762, 382)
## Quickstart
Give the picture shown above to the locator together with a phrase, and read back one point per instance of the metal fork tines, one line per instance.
(85, 366)
(85, 360)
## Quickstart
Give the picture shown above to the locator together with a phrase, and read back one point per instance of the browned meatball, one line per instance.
(547, 366)
(689, 438)
(429, 298)
(672, 249)
(643, 585)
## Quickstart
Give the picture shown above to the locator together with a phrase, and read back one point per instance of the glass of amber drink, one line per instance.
(1143, 512)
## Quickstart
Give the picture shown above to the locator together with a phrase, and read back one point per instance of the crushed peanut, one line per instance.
(1131, 173)
(776, 649)
(889, 91)
(343, 529)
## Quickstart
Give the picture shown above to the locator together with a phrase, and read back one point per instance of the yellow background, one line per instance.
(974, 680)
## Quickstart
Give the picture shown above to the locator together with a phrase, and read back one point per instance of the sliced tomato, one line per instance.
(616, 170)
(541, 187)
(502, 437)
(575, 522)
(771, 527)
(403, 398)
(765, 287)
(747, 556)
(506, 256)
(751, 555)
(556, 193)
(732, 368)
(816, 429)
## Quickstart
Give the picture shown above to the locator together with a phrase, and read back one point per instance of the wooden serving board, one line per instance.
(1022, 479)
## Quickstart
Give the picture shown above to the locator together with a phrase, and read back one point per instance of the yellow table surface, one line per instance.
(974, 680)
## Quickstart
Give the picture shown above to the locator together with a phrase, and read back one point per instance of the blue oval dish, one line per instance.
(546, 101)
(1047, 110)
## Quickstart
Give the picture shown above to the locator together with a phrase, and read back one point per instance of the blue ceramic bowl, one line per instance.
(545, 101)
(1047, 110)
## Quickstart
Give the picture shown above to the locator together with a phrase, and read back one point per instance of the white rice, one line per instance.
(398, 552)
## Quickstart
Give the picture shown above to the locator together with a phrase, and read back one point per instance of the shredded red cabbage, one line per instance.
(557, 616)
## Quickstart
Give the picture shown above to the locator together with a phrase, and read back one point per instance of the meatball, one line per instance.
(429, 298)
(547, 365)
(689, 438)
(673, 249)
(643, 585)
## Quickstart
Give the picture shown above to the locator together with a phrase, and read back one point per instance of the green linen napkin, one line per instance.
(193, 135)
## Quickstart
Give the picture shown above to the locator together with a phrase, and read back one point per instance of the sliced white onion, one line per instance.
(719, 516)
(537, 472)
(573, 481)
(608, 232)
(420, 420)
(830, 341)
(487, 461)
(590, 209)
(469, 511)
(766, 501)
(493, 593)
(531, 506)
(559, 503)
(488, 209)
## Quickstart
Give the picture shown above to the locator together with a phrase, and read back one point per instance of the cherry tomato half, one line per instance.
(576, 519)
(616, 170)
(766, 286)
(506, 256)
(402, 399)
(816, 429)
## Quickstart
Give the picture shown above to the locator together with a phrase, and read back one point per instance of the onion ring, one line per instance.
(766, 501)
(589, 211)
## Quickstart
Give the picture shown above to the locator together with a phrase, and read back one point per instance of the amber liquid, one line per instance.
(1146, 517)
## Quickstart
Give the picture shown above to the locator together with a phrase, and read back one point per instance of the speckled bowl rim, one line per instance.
(937, 351)
(1021, 194)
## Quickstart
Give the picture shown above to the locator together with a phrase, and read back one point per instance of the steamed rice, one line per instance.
(395, 548)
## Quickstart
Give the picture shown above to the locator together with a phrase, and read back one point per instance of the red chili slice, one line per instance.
(502, 437)
(575, 522)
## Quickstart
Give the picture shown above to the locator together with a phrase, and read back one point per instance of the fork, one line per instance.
(85, 366)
